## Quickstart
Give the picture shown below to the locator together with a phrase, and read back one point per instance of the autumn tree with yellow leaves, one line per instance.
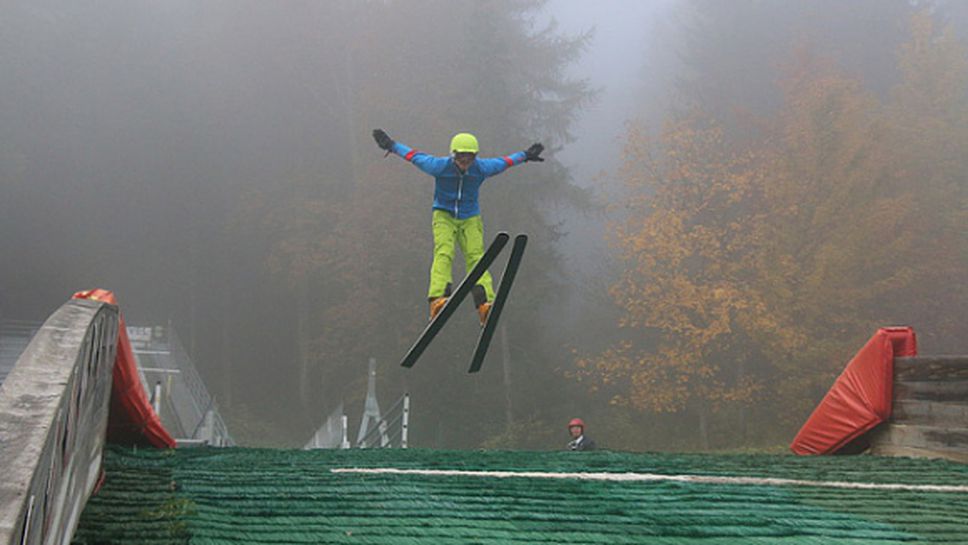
(928, 122)
(752, 268)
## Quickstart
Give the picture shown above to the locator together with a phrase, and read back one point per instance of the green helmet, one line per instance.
(464, 143)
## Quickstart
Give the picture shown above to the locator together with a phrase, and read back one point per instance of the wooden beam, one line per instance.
(879, 449)
(931, 368)
(929, 413)
(924, 437)
(950, 392)
(930, 410)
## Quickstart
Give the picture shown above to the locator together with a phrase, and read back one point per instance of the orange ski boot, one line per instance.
(482, 311)
(435, 305)
(481, 302)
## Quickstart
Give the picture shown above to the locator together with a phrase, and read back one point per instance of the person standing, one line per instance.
(579, 441)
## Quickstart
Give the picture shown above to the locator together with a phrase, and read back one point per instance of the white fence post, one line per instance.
(406, 420)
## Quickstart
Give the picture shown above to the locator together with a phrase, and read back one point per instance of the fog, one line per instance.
(736, 194)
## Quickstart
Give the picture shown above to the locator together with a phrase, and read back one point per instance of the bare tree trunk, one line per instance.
(225, 338)
(740, 377)
(349, 106)
(193, 280)
(302, 339)
(348, 97)
(506, 358)
(703, 426)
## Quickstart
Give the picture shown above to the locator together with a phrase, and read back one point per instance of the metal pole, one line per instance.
(210, 426)
(157, 398)
(384, 438)
(371, 408)
(406, 420)
(345, 443)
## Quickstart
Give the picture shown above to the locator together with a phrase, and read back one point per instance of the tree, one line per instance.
(834, 218)
(685, 291)
(928, 124)
(753, 268)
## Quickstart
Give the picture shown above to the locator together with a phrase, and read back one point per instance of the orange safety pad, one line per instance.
(131, 419)
(860, 398)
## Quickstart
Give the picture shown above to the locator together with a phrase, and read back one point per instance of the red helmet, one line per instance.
(576, 422)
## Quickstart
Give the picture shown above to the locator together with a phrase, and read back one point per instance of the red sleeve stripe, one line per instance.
(508, 160)
(410, 154)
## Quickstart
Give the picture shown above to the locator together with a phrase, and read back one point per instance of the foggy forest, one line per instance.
(735, 196)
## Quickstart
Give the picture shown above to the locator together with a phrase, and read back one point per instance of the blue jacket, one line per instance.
(454, 191)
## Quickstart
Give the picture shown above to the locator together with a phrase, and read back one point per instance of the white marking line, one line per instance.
(651, 477)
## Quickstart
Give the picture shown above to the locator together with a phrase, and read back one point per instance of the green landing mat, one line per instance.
(261, 496)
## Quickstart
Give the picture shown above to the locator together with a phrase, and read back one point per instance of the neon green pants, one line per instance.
(469, 234)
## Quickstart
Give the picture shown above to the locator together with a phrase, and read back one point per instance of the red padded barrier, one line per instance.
(861, 396)
(131, 420)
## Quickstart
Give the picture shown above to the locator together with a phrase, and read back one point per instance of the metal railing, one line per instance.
(391, 429)
(201, 421)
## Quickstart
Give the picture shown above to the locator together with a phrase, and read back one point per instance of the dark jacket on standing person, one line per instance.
(583, 442)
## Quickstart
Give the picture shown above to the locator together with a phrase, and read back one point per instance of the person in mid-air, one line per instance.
(579, 441)
(456, 211)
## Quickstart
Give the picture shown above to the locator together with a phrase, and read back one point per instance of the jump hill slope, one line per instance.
(236, 495)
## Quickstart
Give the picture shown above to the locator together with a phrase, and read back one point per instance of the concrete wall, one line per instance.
(53, 415)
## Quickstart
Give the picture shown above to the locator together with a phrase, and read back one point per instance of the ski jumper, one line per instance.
(456, 211)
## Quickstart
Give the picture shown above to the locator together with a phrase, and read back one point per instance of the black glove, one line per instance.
(534, 153)
(382, 139)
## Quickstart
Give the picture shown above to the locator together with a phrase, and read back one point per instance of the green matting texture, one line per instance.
(236, 495)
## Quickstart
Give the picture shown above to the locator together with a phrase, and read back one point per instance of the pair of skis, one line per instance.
(487, 332)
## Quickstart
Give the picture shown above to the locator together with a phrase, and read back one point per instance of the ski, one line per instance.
(507, 279)
(455, 299)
